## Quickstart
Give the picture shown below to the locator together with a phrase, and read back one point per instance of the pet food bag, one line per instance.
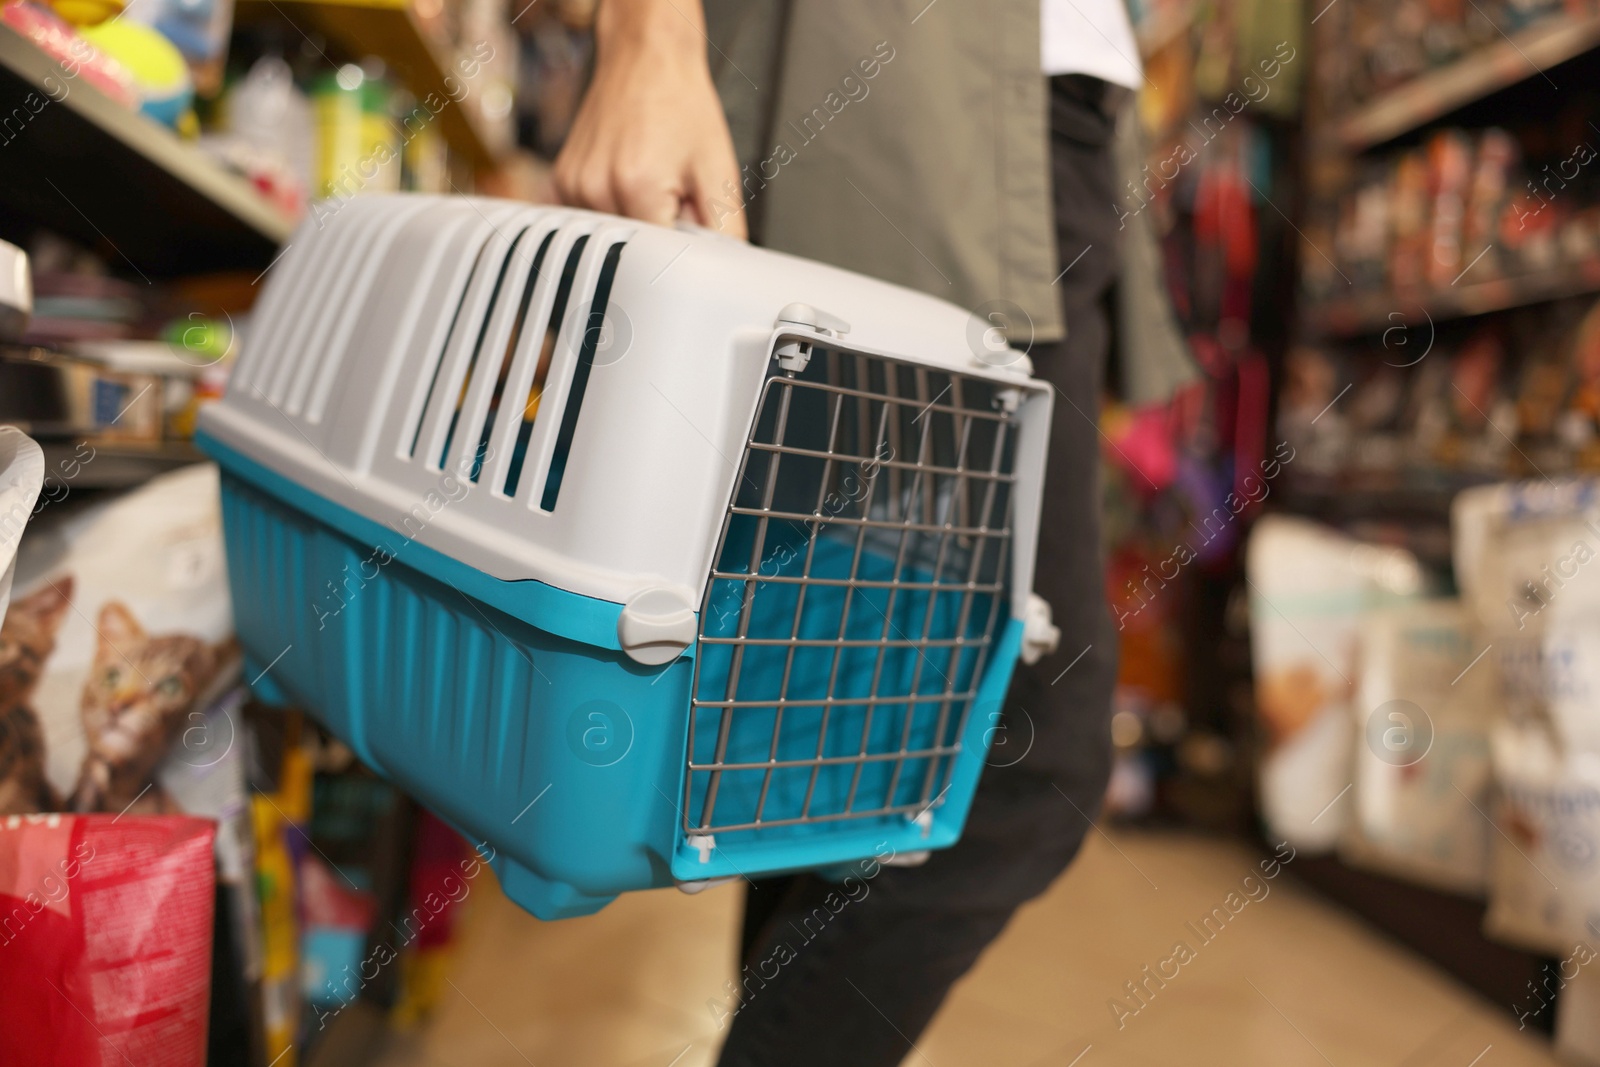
(105, 940)
(1421, 717)
(1544, 891)
(1311, 588)
(1528, 562)
(117, 643)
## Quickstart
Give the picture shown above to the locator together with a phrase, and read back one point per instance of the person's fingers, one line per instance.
(585, 181)
(644, 192)
(564, 175)
(595, 189)
(582, 173)
(714, 195)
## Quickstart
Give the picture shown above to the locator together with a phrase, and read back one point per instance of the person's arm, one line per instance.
(650, 140)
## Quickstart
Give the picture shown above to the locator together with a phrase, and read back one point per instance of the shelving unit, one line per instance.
(1163, 28)
(1410, 506)
(119, 466)
(1369, 313)
(82, 164)
(394, 32)
(1516, 58)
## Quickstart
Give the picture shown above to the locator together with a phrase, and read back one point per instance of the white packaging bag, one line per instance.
(1310, 588)
(21, 478)
(1425, 701)
(1544, 891)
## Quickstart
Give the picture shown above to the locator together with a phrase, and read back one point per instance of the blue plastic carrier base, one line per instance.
(509, 708)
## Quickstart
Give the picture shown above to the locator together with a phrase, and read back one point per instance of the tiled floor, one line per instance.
(1289, 982)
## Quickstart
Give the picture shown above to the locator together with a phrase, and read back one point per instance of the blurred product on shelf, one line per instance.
(87, 12)
(1436, 713)
(73, 887)
(105, 361)
(1185, 477)
(1421, 719)
(22, 467)
(1382, 44)
(355, 152)
(264, 131)
(1463, 206)
(111, 391)
(57, 39)
(72, 306)
(198, 29)
(1524, 555)
(162, 78)
(1313, 591)
(1445, 407)
(121, 629)
(280, 808)
(552, 75)
(443, 869)
(339, 908)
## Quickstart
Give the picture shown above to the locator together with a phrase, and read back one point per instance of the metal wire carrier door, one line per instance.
(859, 582)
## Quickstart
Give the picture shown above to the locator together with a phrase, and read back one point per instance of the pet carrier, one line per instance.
(643, 555)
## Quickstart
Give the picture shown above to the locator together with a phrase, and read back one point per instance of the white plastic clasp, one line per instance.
(909, 859)
(655, 627)
(812, 319)
(691, 888)
(703, 844)
(1040, 636)
(794, 354)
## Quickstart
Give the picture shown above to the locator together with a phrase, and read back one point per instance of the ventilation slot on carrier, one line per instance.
(530, 406)
(593, 334)
(504, 367)
(438, 358)
(477, 352)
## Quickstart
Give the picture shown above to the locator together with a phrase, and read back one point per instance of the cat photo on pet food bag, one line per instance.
(27, 637)
(115, 657)
(136, 699)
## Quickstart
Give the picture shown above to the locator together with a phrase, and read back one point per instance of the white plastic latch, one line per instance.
(1040, 636)
(813, 319)
(908, 859)
(703, 844)
(655, 627)
(793, 354)
(691, 888)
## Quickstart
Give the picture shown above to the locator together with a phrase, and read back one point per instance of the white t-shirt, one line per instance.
(1089, 37)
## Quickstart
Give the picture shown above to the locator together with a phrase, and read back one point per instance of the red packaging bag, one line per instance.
(105, 939)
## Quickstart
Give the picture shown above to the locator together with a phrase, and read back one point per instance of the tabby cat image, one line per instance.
(27, 637)
(139, 690)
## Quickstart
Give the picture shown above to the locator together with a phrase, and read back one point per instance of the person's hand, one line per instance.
(650, 140)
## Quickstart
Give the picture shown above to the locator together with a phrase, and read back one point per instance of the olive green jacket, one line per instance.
(940, 112)
(910, 140)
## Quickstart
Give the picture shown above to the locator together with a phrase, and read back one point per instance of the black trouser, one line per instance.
(868, 983)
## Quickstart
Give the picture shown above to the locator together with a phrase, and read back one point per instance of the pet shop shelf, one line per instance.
(1376, 312)
(1525, 53)
(644, 555)
(393, 31)
(85, 165)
